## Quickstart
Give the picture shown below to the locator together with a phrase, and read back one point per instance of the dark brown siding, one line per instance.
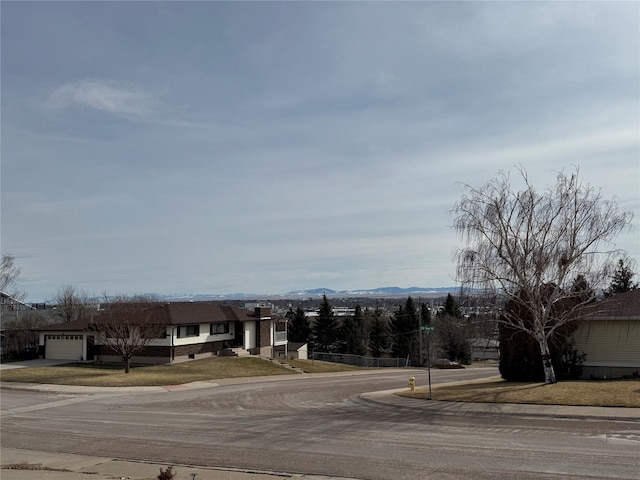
(148, 351)
(263, 333)
(198, 348)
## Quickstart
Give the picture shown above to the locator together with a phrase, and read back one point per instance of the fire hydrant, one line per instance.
(412, 383)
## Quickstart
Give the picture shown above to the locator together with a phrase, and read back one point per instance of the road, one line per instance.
(320, 425)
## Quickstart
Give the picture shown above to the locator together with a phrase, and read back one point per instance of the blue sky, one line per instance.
(214, 147)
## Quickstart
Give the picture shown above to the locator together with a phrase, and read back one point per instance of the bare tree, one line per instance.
(71, 304)
(128, 325)
(20, 332)
(9, 273)
(531, 246)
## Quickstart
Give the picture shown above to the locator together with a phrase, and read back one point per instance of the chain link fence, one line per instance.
(360, 361)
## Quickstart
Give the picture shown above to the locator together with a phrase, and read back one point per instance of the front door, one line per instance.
(91, 340)
(238, 334)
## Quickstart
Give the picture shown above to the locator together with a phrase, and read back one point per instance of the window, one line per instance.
(219, 328)
(63, 337)
(188, 331)
(153, 331)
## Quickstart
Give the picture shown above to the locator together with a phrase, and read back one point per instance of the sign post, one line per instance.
(428, 330)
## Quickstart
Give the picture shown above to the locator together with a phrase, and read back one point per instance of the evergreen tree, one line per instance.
(520, 356)
(299, 325)
(451, 308)
(582, 291)
(378, 334)
(325, 328)
(425, 315)
(405, 327)
(622, 279)
(352, 334)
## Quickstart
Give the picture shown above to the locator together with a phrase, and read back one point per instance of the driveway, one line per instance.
(38, 362)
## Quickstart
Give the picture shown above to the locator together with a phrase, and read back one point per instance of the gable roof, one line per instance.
(82, 325)
(623, 306)
(189, 313)
(171, 314)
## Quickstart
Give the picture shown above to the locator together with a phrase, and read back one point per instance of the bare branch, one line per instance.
(129, 325)
(530, 246)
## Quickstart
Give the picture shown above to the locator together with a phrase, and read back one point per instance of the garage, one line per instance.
(63, 347)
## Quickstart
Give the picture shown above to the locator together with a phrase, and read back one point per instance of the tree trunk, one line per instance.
(127, 362)
(549, 373)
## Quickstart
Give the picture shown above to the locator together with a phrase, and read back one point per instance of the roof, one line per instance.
(295, 345)
(172, 314)
(76, 325)
(189, 313)
(9, 300)
(622, 306)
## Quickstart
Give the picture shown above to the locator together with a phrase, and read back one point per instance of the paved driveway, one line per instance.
(38, 362)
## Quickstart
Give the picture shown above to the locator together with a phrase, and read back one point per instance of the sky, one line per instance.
(220, 147)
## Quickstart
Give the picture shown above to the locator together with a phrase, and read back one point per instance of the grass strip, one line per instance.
(110, 375)
(597, 393)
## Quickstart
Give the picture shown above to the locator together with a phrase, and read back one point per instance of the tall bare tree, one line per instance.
(127, 326)
(530, 247)
(71, 304)
(9, 273)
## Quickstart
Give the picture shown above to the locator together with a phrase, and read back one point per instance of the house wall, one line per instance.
(264, 344)
(249, 335)
(162, 354)
(204, 336)
(300, 354)
(151, 355)
(611, 346)
(171, 348)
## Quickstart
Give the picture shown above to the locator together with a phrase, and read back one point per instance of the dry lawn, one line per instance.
(599, 393)
(315, 366)
(106, 375)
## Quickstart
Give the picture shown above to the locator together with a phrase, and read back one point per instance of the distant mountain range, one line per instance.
(315, 292)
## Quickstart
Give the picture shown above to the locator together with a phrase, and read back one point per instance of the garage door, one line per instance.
(63, 347)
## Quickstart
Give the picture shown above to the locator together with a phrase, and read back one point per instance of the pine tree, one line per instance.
(378, 334)
(405, 326)
(425, 315)
(299, 325)
(622, 279)
(325, 328)
(451, 308)
(352, 334)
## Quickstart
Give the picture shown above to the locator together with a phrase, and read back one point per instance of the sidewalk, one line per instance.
(60, 466)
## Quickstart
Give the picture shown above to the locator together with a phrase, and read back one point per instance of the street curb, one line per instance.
(390, 398)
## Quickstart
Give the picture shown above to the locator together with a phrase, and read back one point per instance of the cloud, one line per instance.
(106, 96)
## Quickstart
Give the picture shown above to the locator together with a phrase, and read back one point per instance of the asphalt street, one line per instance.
(329, 425)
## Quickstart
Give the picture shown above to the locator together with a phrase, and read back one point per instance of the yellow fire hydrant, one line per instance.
(412, 383)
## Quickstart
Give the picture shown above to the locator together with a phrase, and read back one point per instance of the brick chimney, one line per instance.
(263, 313)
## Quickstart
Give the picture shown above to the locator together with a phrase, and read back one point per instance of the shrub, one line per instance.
(167, 474)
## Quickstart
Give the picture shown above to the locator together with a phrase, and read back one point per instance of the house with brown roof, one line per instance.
(187, 331)
(609, 333)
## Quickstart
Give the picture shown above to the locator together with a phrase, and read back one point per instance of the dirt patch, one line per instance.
(32, 466)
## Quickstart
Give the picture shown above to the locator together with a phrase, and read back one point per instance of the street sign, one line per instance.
(426, 329)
